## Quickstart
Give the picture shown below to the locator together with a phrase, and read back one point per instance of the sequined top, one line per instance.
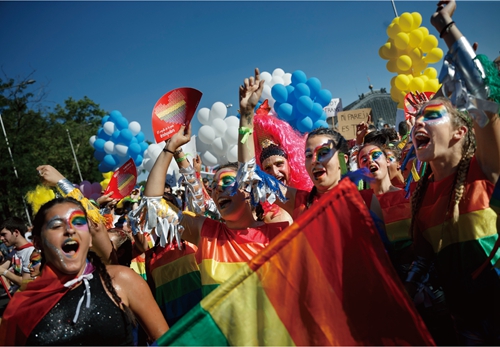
(103, 323)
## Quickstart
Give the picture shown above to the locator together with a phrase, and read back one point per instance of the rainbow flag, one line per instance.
(325, 280)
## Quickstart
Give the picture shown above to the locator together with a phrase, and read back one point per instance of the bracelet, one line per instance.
(446, 29)
(246, 132)
(181, 159)
(65, 186)
(167, 150)
(5, 272)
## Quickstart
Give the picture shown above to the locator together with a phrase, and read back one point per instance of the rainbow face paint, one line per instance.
(74, 219)
(374, 154)
(36, 259)
(224, 180)
(322, 153)
(391, 157)
(433, 114)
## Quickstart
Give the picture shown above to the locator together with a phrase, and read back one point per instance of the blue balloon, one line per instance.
(298, 76)
(320, 124)
(134, 149)
(99, 155)
(144, 145)
(316, 112)
(99, 145)
(314, 85)
(301, 89)
(291, 95)
(304, 104)
(285, 111)
(279, 93)
(305, 125)
(114, 116)
(324, 97)
(115, 136)
(104, 168)
(104, 119)
(140, 137)
(138, 160)
(125, 136)
(121, 123)
(110, 160)
(101, 134)
(134, 140)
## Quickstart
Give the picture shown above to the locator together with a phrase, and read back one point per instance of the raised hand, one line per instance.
(180, 138)
(49, 175)
(250, 93)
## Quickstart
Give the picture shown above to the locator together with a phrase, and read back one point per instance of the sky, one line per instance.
(125, 55)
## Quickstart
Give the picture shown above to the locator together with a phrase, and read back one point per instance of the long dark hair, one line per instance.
(38, 223)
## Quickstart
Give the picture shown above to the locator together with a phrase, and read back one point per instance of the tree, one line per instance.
(38, 136)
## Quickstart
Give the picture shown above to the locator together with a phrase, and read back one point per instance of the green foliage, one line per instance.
(37, 136)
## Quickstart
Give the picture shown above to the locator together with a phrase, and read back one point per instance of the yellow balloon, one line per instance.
(402, 81)
(416, 84)
(401, 40)
(415, 54)
(395, 20)
(393, 82)
(395, 94)
(424, 78)
(431, 72)
(406, 22)
(393, 30)
(383, 51)
(417, 20)
(434, 55)
(416, 37)
(391, 66)
(401, 105)
(432, 85)
(404, 63)
(428, 43)
(410, 76)
(419, 65)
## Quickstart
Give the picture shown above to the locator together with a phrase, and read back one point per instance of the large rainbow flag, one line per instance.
(325, 280)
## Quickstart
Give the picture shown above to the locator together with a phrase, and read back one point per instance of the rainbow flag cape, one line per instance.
(325, 280)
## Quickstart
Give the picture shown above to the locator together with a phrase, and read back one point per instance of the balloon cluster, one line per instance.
(217, 139)
(301, 103)
(409, 49)
(117, 141)
(90, 190)
(150, 156)
(279, 76)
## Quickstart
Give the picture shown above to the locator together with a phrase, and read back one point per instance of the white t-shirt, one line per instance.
(21, 259)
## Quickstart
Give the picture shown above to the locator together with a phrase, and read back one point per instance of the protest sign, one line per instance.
(347, 121)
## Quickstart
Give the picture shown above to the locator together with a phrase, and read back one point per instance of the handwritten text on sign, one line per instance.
(347, 121)
(333, 108)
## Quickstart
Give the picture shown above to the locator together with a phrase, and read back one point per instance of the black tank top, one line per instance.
(103, 323)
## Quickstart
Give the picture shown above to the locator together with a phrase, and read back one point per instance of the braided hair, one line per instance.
(468, 149)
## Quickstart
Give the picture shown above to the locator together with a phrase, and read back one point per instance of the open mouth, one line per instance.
(373, 168)
(318, 173)
(421, 140)
(70, 247)
(223, 202)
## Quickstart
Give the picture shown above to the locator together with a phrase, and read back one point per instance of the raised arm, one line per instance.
(463, 55)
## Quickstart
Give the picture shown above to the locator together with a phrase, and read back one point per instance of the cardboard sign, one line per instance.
(334, 107)
(409, 109)
(123, 180)
(347, 121)
(174, 109)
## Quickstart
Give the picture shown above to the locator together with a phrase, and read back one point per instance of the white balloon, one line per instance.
(219, 127)
(148, 164)
(232, 153)
(121, 150)
(109, 128)
(154, 151)
(231, 135)
(218, 110)
(206, 134)
(134, 128)
(208, 159)
(277, 80)
(92, 140)
(271, 103)
(232, 121)
(219, 146)
(222, 159)
(202, 146)
(287, 78)
(266, 76)
(204, 115)
(109, 147)
(266, 92)
(278, 72)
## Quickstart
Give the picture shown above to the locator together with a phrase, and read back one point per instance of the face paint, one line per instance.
(225, 180)
(391, 157)
(434, 114)
(56, 250)
(74, 219)
(35, 259)
(323, 153)
(374, 154)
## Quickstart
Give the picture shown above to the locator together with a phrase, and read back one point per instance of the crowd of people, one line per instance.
(111, 272)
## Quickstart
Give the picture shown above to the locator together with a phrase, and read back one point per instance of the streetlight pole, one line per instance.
(74, 155)
(10, 151)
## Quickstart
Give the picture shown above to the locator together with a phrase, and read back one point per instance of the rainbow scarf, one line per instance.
(325, 280)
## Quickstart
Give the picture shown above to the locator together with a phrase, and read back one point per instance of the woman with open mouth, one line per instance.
(77, 300)
(452, 221)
